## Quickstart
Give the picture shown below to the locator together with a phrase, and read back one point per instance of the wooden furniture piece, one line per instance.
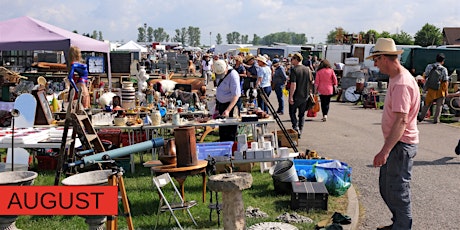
(181, 174)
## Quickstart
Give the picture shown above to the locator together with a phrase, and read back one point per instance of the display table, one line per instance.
(181, 173)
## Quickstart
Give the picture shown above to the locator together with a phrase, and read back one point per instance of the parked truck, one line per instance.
(416, 59)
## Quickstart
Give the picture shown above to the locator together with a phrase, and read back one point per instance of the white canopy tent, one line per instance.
(132, 46)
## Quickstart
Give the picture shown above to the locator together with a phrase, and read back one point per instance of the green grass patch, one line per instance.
(144, 200)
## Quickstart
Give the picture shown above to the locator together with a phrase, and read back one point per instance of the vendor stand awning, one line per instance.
(26, 33)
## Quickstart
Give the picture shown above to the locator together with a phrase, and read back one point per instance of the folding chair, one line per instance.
(176, 202)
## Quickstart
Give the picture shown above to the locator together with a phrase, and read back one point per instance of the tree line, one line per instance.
(428, 35)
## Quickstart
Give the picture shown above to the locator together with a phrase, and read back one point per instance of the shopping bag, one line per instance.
(310, 113)
(335, 175)
(316, 107)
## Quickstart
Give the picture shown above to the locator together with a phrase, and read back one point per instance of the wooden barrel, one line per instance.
(185, 146)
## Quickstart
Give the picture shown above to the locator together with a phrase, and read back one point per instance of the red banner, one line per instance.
(59, 200)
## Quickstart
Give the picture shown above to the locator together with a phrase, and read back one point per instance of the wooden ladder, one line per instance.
(83, 129)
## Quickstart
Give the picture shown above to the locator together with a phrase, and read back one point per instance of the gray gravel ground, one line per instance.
(353, 135)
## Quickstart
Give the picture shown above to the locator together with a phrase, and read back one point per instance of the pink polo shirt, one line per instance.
(402, 96)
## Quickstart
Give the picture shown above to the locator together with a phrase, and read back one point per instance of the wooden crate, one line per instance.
(283, 141)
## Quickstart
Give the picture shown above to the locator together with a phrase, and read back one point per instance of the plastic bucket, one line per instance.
(283, 174)
(284, 171)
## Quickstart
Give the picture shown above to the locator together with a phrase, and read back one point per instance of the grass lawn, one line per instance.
(144, 200)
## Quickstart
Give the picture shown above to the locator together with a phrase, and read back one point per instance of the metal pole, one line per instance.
(12, 146)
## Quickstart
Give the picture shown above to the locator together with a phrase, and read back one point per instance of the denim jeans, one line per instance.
(279, 95)
(298, 120)
(261, 102)
(394, 184)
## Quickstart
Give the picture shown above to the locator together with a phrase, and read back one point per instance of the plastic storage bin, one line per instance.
(304, 167)
(218, 150)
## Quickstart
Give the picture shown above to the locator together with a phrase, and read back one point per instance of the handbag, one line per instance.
(335, 90)
(310, 113)
(316, 108)
(310, 101)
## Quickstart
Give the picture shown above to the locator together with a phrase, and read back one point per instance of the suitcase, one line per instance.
(309, 195)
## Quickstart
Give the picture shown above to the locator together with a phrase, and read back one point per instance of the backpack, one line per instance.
(433, 79)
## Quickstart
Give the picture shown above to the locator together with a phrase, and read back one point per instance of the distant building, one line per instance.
(451, 35)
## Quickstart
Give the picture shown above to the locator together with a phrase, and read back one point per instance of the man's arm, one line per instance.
(291, 92)
(396, 133)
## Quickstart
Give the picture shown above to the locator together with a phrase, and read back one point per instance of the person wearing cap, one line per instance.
(269, 62)
(251, 73)
(206, 68)
(279, 82)
(301, 80)
(264, 79)
(438, 95)
(227, 94)
(400, 132)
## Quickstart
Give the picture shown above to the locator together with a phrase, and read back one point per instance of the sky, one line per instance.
(118, 20)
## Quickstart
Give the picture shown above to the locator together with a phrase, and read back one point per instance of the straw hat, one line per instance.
(249, 57)
(219, 66)
(262, 59)
(41, 80)
(384, 46)
(238, 58)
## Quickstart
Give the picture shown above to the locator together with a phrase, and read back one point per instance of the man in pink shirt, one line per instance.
(399, 128)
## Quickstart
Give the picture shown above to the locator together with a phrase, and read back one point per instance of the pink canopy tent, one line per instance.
(26, 33)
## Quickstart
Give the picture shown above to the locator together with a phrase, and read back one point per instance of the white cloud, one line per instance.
(119, 19)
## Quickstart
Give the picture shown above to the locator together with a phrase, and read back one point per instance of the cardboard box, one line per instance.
(309, 195)
(283, 141)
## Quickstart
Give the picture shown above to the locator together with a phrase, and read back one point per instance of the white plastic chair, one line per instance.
(176, 202)
(21, 156)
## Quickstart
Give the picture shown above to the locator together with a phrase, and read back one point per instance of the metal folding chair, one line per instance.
(176, 202)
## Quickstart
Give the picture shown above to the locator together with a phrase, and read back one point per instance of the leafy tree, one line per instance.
(100, 38)
(233, 38)
(371, 36)
(385, 34)
(256, 40)
(244, 39)
(181, 35)
(299, 39)
(194, 36)
(428, 35)
(150, 34)
(140, 34)
(94, 35)
(75, 31)
(403, 38)
(160, 35)
(218, 39)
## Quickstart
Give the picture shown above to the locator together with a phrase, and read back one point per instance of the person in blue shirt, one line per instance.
(78, 75)
(264, 80)
(227, 94)
(279, 82)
